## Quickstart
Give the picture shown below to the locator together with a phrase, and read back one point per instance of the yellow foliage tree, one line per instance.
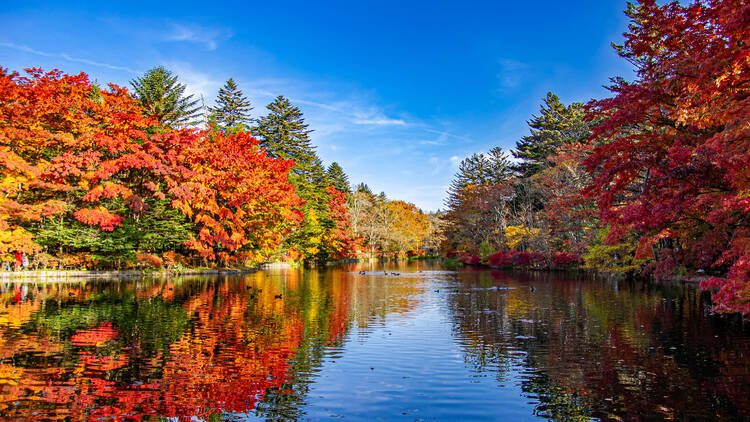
(515, 235)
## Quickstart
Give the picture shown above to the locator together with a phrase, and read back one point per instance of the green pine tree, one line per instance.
(284, 133)
(363, 188)
(479, 169)
(338, 178)
(232, 111)
(164, 98)
(312, 184)
(556, 125)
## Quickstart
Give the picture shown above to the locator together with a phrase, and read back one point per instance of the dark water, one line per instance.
(429, 345)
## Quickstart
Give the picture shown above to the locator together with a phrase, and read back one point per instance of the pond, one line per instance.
(407, 341)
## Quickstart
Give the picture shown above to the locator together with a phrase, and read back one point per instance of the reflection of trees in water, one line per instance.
(84, 351)
(605, 349)
(506, 332)
(208, 346)
(323, 306)
(328, 302)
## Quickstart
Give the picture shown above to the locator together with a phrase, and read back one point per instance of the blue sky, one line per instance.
(397, 92)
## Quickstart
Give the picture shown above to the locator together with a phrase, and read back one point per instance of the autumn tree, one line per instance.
(434, 236)
(79, 156)
(476, 199)
(339, 241)
(391, 226)
(164, 98)
(26, 197)
(239, 198)
(408, 227)
(480, 169)
(569, 215)
(672, 153)
(86, 172)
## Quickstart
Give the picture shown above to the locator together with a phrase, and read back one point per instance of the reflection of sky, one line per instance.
(410, 366)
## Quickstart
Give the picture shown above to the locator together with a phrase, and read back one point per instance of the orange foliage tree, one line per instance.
(237, 195)
(55, 130)
(339, 239)
(70, 151)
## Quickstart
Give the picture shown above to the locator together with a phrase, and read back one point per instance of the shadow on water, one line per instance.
(367, 341)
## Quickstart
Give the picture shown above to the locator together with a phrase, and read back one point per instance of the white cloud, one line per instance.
(208, 37)
(197, 83)
(511, 72)
(445, 134)
(379, 122)
(66, 57)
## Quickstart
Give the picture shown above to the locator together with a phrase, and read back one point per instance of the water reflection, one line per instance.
(315, 344)
(86, 351)
(607, 350)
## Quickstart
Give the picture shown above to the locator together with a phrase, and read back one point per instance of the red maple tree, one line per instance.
(672, 153)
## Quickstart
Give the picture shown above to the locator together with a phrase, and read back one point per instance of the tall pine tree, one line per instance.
(556, 125)
(232, 111)
(479, 169)
(363, 188)
(164, 99)
(284, 133)
(338, 178)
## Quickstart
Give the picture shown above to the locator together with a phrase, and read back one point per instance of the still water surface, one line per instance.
(427, 344)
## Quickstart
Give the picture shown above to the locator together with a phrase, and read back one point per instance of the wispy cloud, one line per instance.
(443, 165)
(431, 143)
(196, 82)
(208, 37)
(448, 134)
(379, 122)
(356, 112)
(66, 57)
(511, 72)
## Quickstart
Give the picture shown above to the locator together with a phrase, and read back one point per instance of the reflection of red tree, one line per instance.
(215, 367)
(339, 317)
(223, 364)
(94, 336)
(632, 372)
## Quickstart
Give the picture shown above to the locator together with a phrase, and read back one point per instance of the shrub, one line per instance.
(561, 259)
(149, 260)
(470, 259)
(505, 258)
(501, 258)
(169, 258)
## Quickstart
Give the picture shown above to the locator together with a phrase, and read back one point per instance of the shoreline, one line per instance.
(124, 274)
(692, 281)
(85, 275)
(56, 275)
